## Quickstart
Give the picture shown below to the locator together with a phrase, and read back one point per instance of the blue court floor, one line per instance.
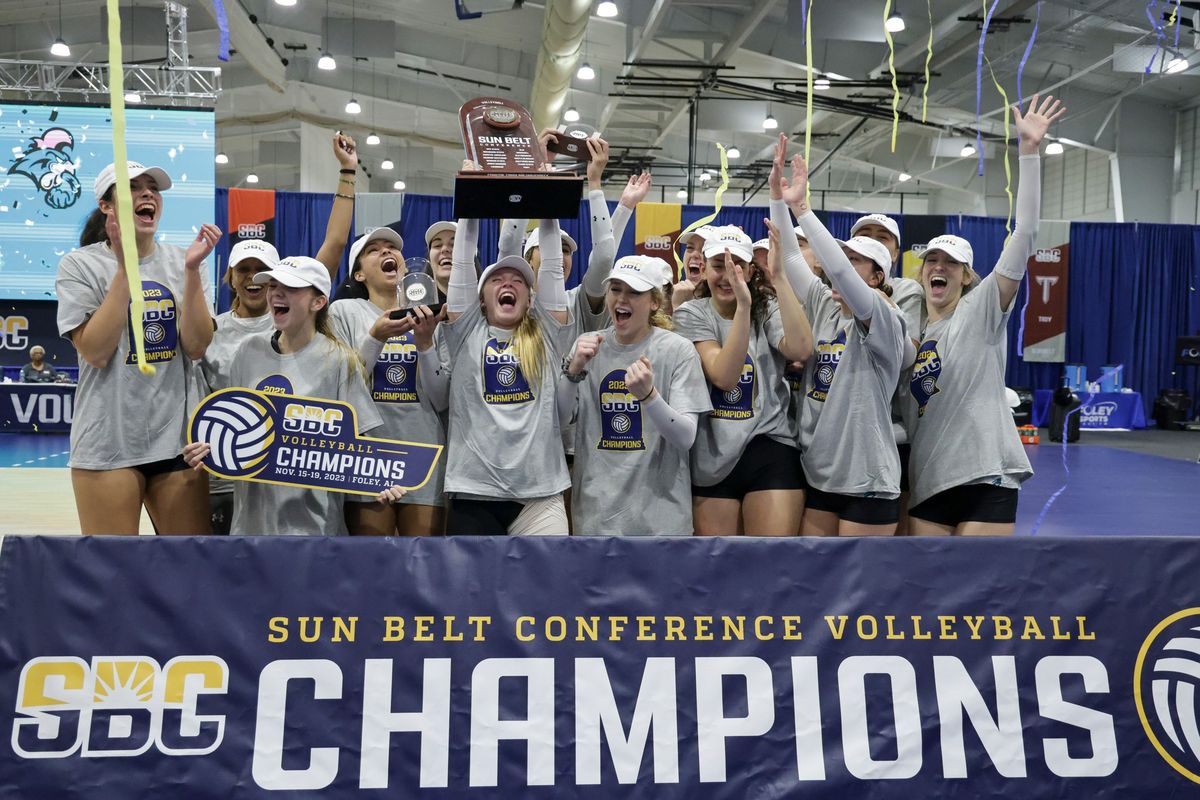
(1109, 491)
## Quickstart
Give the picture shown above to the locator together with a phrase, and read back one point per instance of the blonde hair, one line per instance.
(530, 349)
(659, 318)
(351, 356)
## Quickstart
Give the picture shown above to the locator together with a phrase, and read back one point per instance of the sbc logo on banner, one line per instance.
(251, 215)
(1046, 311)
(305, 442)
(1164, 685)
(655, 228)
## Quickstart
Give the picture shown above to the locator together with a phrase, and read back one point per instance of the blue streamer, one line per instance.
(1174, 18)
(1159, 34)
(987, 20)
(223, 27)
(1024, 58)
(804, 20)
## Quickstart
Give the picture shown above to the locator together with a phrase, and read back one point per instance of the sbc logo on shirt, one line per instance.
(395, 374)
(620, 415)
(827, 358)
(926, 371)
(738, 402)
(503, 381)
(158, 324)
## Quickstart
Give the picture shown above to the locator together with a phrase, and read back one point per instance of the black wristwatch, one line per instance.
(566, 369)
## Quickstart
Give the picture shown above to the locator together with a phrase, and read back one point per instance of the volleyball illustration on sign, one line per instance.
(240, 429)
(1164, 687)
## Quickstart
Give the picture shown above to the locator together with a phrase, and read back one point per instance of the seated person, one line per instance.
(37, 370)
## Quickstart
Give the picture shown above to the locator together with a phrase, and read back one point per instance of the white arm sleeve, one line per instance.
(464, 283)
(678, 429)
(604, 246)
(1015, 257)
(368, 350)
(567, 398)
(434, 378)
(512, 237)
(620, 219)
(799, 275)
(854, 290)
(551, 291)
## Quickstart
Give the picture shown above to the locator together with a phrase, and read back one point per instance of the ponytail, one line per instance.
(659, 318)
(323, 327)
(530, 350)
(95, 226)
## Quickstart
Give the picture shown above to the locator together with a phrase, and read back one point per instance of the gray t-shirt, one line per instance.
(581, 319)
(909, 297)
(845, 419)
(629, 480)
(322, 370)
(963, 429)
(505, 441)
(406, 415)
(757, 406)
(123, 418)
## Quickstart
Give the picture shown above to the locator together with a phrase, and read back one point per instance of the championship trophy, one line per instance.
(572, 142)
(416, 288)
(514, 180)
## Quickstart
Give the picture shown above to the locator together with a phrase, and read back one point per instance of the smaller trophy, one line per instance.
(416, 288)
(572, 142)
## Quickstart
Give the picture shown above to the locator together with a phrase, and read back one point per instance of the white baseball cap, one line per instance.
(385, 233)
(704, 231)
(531, 241)
(640, 273)
(253, 248)
(762, 244)
(731, 238)
(439, 227)
(956, 247)
(883, 220)
(108, 177)
(871, 248)
(508, 262)
(667, 272)
(296, 272)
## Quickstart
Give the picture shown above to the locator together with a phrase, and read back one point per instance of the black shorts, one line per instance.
(162, 467)
(765, 465)
(854, 508)
(481, 517)
(904, 450)
(975, 502)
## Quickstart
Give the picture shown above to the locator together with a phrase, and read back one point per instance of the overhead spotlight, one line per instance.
(353, 107)
(1177, 64)
(133, 97)
(821, 84)
(60, 49)
(287, 3)
(251, 178)
(894, 23)
(681, 194)
(705, 176)
(607, 9)
(770, 123)
(326, 61)
(222, 158)
(571, 115)
(904, 177)
(967, 151)
(733, 152)
(399, 186)
(1054, 149)
(387, 164)
(586, 73)
(373, 138)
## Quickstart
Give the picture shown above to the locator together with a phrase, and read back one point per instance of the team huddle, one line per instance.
(780, 387)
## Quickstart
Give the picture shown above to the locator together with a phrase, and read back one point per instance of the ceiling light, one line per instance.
(326, 61)
(705, 176)
(571, 115)
(606, 9)
(770, 123)
(60, 49)
(399, 186)
(222, 158)
(821, 84)
(287, 3)
(373, 138)
(586, 73)
(251, 178)
(353, 107)
(894, 23)
(133, 97)
(904, 177)
(387, 164)
(1177, 64)
(967, 151)
(681, 194)
(733, 152)
(1054, 149)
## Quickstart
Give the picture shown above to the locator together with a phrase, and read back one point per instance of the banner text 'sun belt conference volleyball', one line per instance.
(598, 668)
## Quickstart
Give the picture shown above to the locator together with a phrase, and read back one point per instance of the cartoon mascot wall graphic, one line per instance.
(47, 162)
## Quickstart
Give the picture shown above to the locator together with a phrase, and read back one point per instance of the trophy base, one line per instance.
(480, 195)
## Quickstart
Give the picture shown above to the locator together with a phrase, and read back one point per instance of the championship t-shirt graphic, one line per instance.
(620, 415)
(828, 355)
(738, 402)
(159, 324)
(503, 381)
(926, 371)
(275, 384)
(395, 373)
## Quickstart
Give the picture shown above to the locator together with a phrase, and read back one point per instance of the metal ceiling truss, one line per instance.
(40, 80)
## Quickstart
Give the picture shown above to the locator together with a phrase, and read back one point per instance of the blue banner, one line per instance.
(272, 437)
(598, 668)
(36, 407)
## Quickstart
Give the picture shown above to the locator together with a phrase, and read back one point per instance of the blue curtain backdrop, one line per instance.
(1133, 287)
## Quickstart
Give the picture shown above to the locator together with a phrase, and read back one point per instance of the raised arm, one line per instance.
(797, 343)
(463, 289)
(635, 192)
(551, 289)
(432, 376)
(341, 216)
(723, 362)
(512, 237)
(567, 393)
(604, 246)
(196, 322)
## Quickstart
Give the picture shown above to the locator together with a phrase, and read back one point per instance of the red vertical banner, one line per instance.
(251, 215)
(1046, 310)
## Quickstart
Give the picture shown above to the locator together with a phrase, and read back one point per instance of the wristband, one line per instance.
(348, 171)
(566, 366)
(649, 394)
(344, 196)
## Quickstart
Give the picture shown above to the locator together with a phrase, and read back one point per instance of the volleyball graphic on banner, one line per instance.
(240, 429)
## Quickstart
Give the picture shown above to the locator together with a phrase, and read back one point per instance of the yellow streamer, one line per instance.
(808, 103)
(1007, 168)
(1174, 11)
(704, 220)
(123, 197)
(928, 58)
(887, 12)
